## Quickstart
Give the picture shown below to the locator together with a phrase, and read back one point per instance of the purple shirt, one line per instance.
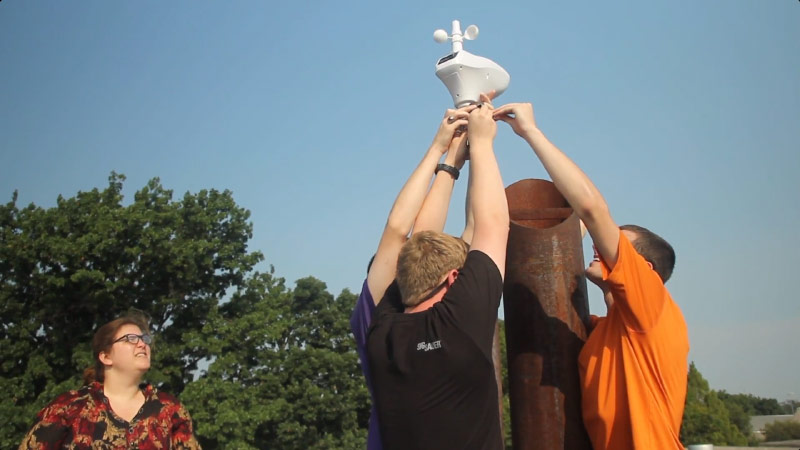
(359, 325)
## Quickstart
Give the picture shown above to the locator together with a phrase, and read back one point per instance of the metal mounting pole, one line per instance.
(546, 311)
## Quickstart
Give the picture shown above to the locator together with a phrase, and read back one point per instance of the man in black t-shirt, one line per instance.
(430, 344)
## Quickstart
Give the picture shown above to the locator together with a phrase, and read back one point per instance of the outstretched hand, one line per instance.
(481, 122)
(518, 115)
(458, 153)
(450, 124)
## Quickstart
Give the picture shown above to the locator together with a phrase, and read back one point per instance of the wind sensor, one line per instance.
(466, 75)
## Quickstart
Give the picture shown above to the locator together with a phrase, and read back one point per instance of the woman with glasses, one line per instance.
(114, 410)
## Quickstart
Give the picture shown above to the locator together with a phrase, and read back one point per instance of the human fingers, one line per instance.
(461, 130)
(459, 126)
(457, 115)
(486, 109)
(507, 109)
(449, 126)
(481, 122)
(515, 114)
(468, 108)
(486, 99)
(505, 118)
(518, 115)
(459, 138)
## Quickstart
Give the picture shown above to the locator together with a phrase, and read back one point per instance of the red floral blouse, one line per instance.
(83, 419)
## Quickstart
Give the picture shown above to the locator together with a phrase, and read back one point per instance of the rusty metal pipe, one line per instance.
(546, 312)
(498, 374)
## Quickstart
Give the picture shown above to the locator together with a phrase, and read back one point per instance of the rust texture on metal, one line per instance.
(498, 372)
(546, 311)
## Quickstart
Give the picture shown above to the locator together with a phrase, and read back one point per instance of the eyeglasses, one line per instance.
(135, 338)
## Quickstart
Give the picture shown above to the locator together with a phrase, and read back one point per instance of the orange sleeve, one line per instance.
(637, 289)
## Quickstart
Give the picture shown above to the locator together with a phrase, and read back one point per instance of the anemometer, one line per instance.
(466, 75)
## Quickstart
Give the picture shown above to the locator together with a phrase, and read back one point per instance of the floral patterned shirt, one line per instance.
(83, 419)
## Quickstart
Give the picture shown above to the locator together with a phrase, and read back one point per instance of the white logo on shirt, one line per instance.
(429, 346)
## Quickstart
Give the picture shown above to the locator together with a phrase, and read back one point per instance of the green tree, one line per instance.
(782, 431)
(739, 408)
(705, 417)
(282, 371)
(285, 373)
(789, 407)
(752, 405)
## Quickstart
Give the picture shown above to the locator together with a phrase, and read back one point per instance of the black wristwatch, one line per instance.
(449, 169)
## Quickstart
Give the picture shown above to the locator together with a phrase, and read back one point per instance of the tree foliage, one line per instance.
(789, 406)
(752, 405)
(706, 420)
(742, 406)
(782, 431)
(281, 369)
(286, 373)
(259, 365)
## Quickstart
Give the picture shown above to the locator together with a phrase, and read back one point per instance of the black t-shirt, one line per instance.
(432, 371)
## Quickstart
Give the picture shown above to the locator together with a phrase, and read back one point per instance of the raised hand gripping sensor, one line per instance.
(466, 75)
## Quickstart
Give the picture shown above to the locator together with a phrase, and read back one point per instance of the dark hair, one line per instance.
(371, 260)
(104, 338)
(654, 249)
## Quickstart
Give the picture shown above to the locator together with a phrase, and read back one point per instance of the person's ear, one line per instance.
(103, 357)
(451, 277)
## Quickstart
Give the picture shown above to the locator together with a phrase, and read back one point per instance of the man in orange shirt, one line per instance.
(633, 367)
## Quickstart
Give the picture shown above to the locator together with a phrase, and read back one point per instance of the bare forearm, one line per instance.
(570, 180)
(398, 225)
(408, 203)
(487, 200)
(411, 196)
(488, 204)
(433, 215)
(487, 197)
(580, 193)
(469, 221)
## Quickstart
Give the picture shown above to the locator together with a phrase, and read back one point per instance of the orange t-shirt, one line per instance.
(633, 367)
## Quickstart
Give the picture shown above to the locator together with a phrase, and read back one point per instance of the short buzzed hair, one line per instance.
(654, 249)
(424, 260)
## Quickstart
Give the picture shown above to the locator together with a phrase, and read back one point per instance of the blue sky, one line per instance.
(685, 114)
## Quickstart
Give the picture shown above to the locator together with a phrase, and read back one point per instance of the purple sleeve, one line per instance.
(361, 318)
(359, 325)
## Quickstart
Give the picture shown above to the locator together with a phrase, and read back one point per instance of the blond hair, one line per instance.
(424, 260)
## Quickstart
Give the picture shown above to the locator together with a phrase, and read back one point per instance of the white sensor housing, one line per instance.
(466, 75)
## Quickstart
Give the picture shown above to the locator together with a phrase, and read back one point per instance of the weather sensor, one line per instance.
(466, 75)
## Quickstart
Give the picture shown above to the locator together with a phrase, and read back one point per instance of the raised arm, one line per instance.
(433, 214)
(487, 197)
(407, 206)
(570, 180)
(469, 221)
